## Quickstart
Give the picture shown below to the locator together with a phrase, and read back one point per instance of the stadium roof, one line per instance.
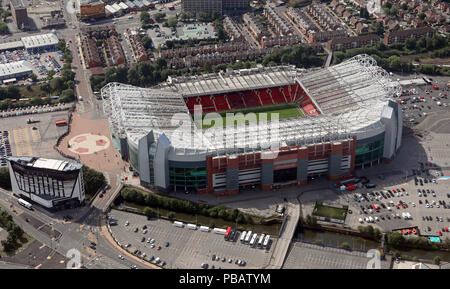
(351, 97)
(244, 79)
(12, 68)
(39, 40)
(49, 164)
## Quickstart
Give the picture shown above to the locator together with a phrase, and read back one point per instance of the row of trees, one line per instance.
(93, 181)
(14, 232)
(388, 57)
(370, 231)
(300, 56)
(146, 74)
(152, 201)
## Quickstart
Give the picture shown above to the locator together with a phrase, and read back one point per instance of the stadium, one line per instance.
(265, 126)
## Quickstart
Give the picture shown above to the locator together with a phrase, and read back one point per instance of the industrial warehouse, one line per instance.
(331, 120)
(54, 184)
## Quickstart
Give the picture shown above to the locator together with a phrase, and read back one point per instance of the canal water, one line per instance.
(272, 229)
(357, 243)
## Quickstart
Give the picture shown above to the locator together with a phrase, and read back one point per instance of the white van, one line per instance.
(192, 226)
(178, 224)
(243, 234)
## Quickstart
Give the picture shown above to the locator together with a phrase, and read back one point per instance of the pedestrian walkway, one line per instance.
(282, 244)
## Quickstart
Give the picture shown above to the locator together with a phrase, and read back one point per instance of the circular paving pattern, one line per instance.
(88, 143)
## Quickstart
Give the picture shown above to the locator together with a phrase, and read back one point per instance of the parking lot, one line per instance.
(187, 248)
(37, 138)
(429, 208)
(420, 100)
(310, 256)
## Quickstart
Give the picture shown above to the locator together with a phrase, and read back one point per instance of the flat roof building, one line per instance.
(19, 13)
(54, 184)
(17, 69)
(40, 42)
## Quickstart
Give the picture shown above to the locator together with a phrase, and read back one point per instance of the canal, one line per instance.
(357, 243)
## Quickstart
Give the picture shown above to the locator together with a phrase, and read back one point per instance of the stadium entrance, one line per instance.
(285, 175)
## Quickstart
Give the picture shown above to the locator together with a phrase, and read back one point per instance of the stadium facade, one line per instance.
(54, 184)
(347, 118)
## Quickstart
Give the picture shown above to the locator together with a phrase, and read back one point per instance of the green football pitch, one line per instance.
(264, 112)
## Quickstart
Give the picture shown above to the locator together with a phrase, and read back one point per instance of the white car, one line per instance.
(427, 205)
(121, 257)
(413, 204)
(127, 223)
(360, 220)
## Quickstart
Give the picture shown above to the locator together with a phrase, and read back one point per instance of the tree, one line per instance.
(149, 212)
(13, 91)
(395, 63)
(33, 77)
(93, 180)
(345, 245)
(411, 43)
(207, 66)
(145, 17)
(437, 260)
(5, 181)
(202, 17)
(404, 6)
(159, 16)
(172, 22)
(395, 239)
(170, 216)
(422, 16)
(4, 28)
(363, 12)
(146, 42)
(50, 74)
(57, 84)
(379, 28)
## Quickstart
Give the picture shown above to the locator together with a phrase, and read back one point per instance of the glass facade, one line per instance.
(134, 158)
(187, 178)
(369, 152)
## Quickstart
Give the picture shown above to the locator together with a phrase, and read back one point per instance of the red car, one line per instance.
(403, 206)
(394, 191)
(440, 233)
(397, 206)
(403, 189)
(159, 248)
(404, 232)
(414, 231)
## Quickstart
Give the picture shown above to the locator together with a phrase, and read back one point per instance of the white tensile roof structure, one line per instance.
(350, 96)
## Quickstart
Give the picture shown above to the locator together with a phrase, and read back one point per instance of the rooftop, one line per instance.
(49, 164)
(40, 40)
(7, 69)
(351, 97)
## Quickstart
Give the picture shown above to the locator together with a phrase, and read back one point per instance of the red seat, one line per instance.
(221, 103)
